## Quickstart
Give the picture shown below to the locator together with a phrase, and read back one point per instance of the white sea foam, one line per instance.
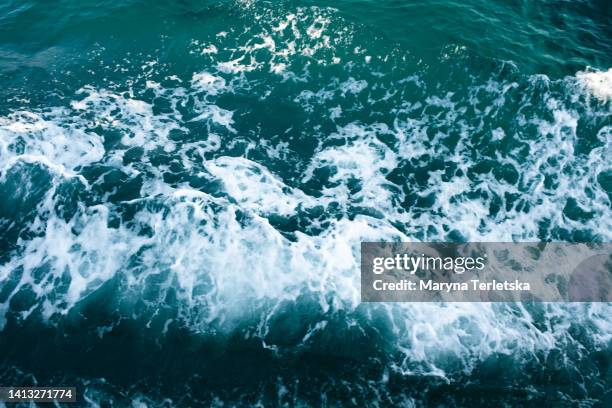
(273, 48)
(209, 83)
(254, 187)
(38, 136)
(363, 158)
(599, 83)
(353, 86)
(132, 117)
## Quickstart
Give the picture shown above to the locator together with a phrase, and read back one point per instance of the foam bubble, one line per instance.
(209, 83)
(33, 136)
(599, 83)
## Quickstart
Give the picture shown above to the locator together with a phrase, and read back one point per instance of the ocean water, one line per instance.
(184, 186)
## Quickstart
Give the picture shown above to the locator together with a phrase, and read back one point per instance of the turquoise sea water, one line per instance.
(184, 187)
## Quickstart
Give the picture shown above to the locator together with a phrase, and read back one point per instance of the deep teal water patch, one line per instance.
(184, 187)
